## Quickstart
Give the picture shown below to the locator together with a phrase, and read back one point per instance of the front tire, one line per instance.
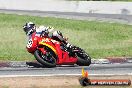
(47, 60)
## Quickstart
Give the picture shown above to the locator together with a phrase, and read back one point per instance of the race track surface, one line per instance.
(94, 69)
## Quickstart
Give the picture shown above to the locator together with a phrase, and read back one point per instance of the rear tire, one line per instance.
(83, 58)
(48, 60)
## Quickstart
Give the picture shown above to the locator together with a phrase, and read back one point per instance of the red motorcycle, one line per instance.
(50, 52)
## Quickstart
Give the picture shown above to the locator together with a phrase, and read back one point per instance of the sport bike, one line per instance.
(50, 52)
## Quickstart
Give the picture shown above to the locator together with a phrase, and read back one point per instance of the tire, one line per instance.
(48, 60)
(83, 58)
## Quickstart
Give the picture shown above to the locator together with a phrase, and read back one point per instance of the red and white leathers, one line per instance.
(45, 31)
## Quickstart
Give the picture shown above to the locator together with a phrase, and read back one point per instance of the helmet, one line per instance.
(29, 28)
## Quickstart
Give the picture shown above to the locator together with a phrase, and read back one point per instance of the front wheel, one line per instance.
(83, 58)
(48, 59)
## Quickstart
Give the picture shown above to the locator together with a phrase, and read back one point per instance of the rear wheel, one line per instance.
(83, 58)
(48, 59)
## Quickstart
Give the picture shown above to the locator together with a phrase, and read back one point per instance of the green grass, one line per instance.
(99, 39)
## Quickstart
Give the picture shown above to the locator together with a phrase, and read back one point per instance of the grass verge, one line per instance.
(99, 39)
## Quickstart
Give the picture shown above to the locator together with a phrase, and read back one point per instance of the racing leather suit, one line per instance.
(49, 32)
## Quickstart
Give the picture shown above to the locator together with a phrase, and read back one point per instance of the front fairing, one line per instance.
(32, 43)
(52, 44)
(62, 56)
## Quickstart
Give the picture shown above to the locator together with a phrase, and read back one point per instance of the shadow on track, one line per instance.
(35, 64)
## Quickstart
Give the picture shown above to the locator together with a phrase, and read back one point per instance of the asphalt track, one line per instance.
(94, 69)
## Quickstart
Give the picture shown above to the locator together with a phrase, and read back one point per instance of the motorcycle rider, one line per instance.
(31, 30)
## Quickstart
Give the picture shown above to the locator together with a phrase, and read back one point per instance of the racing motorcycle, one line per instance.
(50, 53)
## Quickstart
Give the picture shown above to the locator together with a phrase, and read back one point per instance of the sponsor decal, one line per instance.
(85, 81)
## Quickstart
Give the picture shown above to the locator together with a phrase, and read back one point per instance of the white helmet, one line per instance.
(29, 28)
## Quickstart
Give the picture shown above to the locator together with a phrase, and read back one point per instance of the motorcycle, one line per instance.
(50, 52)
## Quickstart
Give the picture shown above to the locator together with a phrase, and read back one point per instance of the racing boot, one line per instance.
(70, 49)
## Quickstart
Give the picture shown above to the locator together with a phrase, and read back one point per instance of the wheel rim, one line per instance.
(47, 57)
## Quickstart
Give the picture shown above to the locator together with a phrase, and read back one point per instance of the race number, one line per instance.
(29, 44)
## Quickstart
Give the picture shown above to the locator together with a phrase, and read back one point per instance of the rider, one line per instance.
(30, 29)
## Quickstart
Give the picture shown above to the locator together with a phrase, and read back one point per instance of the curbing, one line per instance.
(17, 64)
